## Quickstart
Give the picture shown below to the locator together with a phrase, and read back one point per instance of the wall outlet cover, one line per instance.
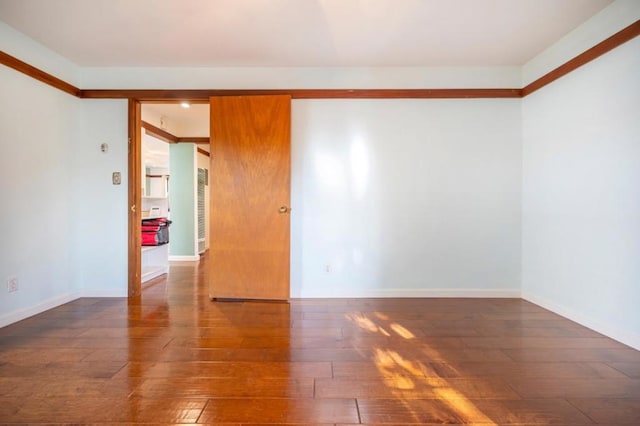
(12, 284)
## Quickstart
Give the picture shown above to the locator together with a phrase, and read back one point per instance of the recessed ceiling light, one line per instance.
(185, 105)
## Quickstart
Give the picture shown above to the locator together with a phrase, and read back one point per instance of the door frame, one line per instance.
(134, 184)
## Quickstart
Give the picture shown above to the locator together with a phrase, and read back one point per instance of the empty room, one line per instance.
(320, 212)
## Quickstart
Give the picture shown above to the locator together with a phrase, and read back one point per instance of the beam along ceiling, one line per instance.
(297, 33)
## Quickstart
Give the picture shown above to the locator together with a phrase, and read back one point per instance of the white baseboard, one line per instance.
(195, 258)
(610, 330)
(409, 292)
(21, 314)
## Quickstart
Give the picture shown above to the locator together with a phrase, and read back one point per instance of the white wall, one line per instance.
(37, 131)
(581, 203)
(99, 207)
(299, 78)
(63, 224)
(405, 197)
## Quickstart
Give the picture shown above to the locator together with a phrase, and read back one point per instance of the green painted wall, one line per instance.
(182, 202)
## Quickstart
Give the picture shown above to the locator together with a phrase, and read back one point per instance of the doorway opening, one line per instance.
(168, 170)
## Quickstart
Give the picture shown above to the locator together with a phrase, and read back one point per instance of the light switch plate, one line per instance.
(116, 178)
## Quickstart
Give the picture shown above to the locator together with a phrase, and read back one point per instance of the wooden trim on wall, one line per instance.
(196, 140)
(165, 136)
(585, 57)
(135, 199)
(33, 72)
(203, 152)
(202, 95)
(158, 132)
(149, 95)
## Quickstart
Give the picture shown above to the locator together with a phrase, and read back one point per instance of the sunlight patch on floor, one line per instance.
(407, 378)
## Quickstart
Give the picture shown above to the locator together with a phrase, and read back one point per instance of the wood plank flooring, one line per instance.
(175, 357)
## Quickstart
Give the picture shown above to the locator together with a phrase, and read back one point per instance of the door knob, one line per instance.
(284, 209)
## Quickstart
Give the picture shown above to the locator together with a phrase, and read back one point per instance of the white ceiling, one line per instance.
(179, 121)
(289, 33)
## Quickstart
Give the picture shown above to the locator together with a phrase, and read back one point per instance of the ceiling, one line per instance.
(292, 33)
(179, 121)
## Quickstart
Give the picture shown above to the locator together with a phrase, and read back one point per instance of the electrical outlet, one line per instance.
(327, 268)
(116, 178)
(12, 284)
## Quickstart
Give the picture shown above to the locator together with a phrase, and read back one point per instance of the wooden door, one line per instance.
(250, 177)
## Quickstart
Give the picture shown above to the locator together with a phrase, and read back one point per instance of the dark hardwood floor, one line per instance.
(176, 357)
